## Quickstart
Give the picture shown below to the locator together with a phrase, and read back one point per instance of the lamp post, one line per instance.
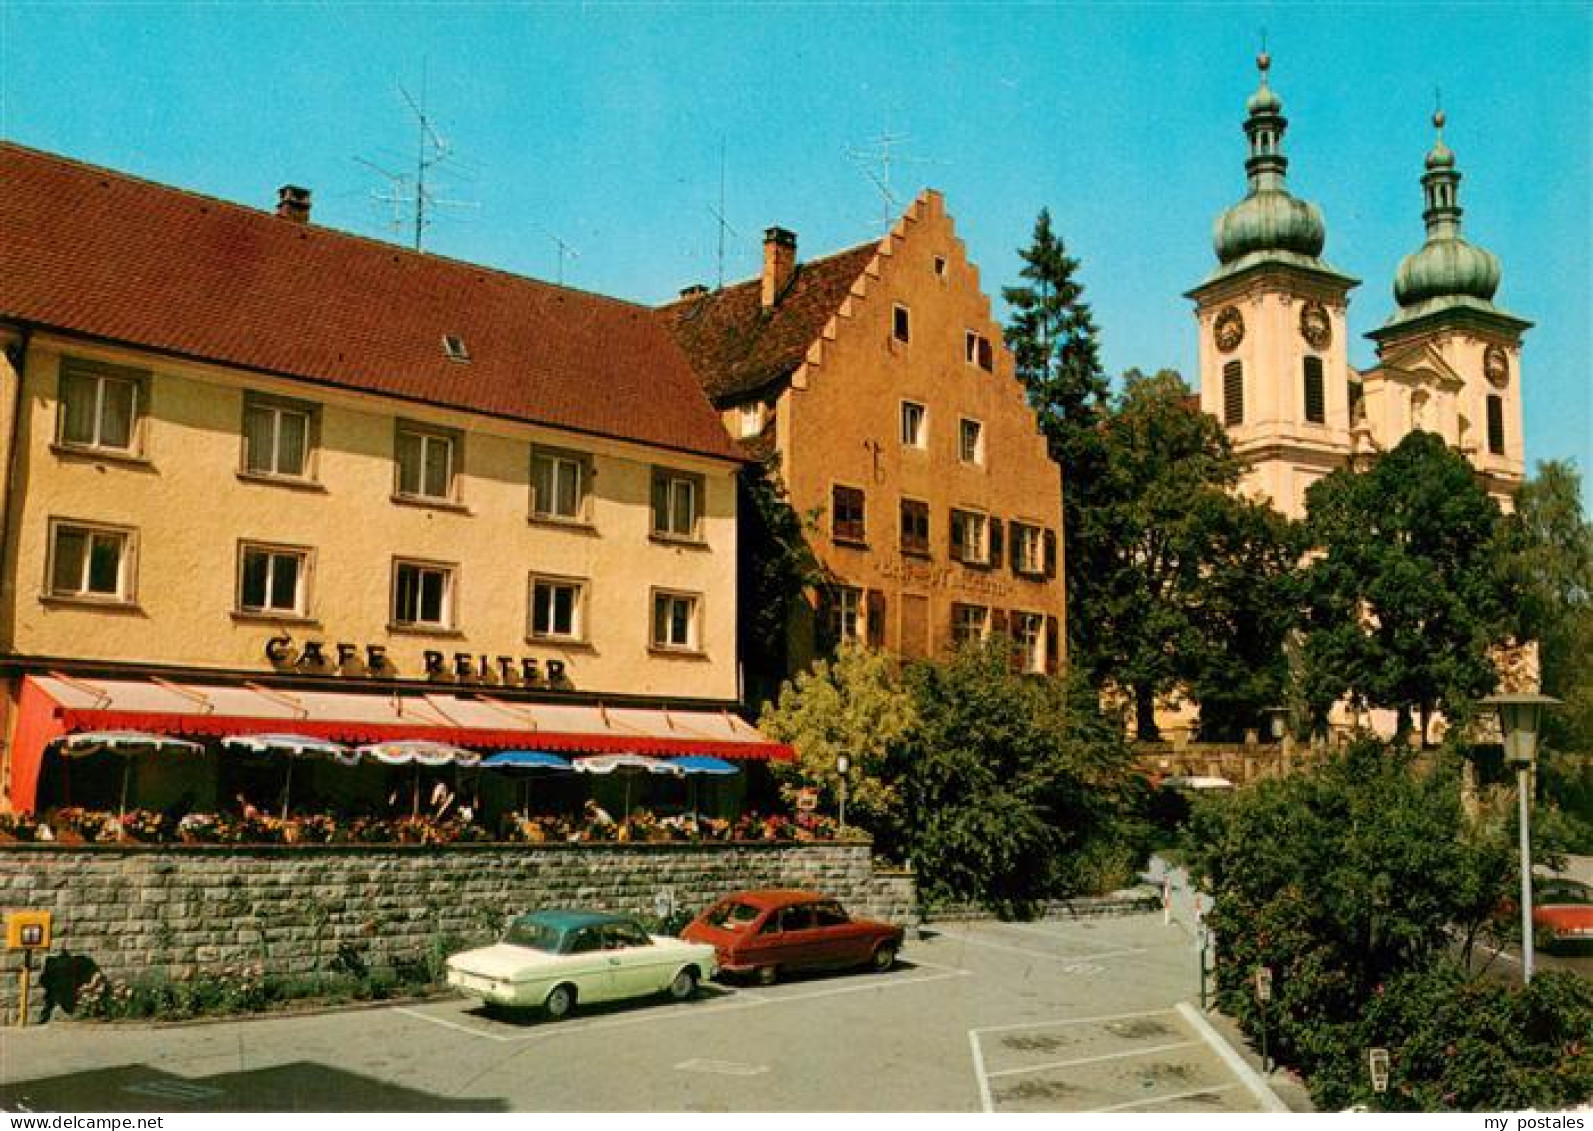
(842, 765)
(1518, 725)
(1278, 728)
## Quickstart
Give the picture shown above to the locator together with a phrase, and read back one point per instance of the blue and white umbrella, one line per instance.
(127, 743)
(524, 761)
(294, 746)
(695, 765)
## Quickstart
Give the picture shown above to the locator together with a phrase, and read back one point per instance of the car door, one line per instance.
(800, 946)
(633, 961)
(588, 965)
(836, 939)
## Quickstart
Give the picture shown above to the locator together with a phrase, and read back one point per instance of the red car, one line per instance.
(1562, 914)
(767, 933)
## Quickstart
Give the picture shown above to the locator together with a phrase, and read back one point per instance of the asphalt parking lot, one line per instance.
(1076, 1015)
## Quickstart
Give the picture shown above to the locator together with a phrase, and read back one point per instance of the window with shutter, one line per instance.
(1050, 553)
(1315, 405)
(997, 542)
(915, 527)
(1233, 393)
(874, 619)
(846, 514)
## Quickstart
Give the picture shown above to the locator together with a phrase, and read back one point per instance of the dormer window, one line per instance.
(454, 348)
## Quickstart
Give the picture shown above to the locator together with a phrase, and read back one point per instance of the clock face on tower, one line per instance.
(1495, 365)
(1315, 326)
(1229, 329)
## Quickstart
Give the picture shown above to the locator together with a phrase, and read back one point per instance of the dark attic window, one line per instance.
(454, 348)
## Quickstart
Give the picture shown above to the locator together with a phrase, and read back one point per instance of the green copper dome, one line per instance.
(1446, 266)
(1269, 219)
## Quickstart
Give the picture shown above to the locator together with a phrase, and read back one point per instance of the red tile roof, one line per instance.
(738, 348)
(92, 251)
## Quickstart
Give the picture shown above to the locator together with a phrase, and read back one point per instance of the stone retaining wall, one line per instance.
(171, 910)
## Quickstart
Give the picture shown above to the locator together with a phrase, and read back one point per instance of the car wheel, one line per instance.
(560, 1001)
(884, 958)
(766, 975)
(684, 984)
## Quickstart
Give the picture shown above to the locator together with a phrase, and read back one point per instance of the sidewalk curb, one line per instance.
(1248, 1076)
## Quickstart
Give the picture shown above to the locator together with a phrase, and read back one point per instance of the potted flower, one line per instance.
(76, 825)
(143, 825)
(317, 828)
(200, 828)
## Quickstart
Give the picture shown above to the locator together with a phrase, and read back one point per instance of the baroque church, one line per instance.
(1274, 366)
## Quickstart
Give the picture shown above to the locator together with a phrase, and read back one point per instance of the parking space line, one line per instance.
(737, 1000)
(1093, 1059)
(1045, 932)
(986, 1104)
(1073, 1021)
(1043, 954)
(1153, 1100)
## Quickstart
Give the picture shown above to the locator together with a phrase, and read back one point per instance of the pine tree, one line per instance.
(1052, 336)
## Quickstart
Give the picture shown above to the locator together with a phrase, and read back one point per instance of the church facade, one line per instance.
(1273, 358)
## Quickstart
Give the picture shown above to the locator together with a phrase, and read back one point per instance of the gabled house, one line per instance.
(878, 377)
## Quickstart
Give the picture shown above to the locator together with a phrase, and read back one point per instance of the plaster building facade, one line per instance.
(261, 471)
(1271, 319)
(879, 378)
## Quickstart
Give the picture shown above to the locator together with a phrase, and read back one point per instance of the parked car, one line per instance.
(767, 933)
(555, 958)
(1562, 914)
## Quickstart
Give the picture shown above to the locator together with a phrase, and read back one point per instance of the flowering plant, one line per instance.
(144, 825)
(86, 824)
(200, 828)
(317, 828)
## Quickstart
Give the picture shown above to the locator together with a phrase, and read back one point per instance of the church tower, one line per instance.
(1273, 366)
(1449, 360)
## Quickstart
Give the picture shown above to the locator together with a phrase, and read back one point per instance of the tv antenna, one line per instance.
(884, 153)
(566, 251)
(719, 215)
(411, 197)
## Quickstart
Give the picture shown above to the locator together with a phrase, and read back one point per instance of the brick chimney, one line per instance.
(293, 203)
(779, 261)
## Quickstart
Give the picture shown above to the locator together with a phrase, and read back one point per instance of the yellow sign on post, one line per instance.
(28, 930)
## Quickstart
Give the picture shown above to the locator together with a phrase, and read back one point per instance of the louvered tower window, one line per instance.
(1315, 406)
(1496, 436)
(1233, 393)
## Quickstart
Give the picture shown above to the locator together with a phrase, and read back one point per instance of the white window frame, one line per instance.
(301, 588)
(975, 537)
(1028, 548)
(101, 376)
(427, 437)
(961, 623)
(563, 463)
(126, 540)
(448, 601)
(1028, 631)
(577, 631)
(679, 486)
(278, 409)
(693, 603)
(849, 614)
(915, 425)
(977, 459)
(749, 419)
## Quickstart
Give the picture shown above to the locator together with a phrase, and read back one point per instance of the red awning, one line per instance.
(51, 706)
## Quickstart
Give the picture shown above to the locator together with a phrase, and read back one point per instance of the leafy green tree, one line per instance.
(1053, 339)
(1554, 567)
(1341, 880)
(1408, 591)
(1189, 585)
(776, 568)
(854, 704)
(1014, 788)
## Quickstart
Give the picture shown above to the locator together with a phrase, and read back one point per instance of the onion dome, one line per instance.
(1269, 218)
(1446, 266)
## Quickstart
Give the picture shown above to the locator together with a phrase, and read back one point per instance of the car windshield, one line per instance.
(1563, 891)
(530, 933)
(732, 916)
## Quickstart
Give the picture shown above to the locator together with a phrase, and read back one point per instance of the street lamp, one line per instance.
(842, 765)
(1518, 725)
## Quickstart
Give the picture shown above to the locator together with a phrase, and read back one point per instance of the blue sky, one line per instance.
(603, 125)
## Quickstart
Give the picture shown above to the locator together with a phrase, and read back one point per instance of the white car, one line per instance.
(555, 959)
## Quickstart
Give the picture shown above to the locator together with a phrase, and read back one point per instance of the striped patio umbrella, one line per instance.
(627, 766)
(127, 743)
(418, 752)
(295, 746)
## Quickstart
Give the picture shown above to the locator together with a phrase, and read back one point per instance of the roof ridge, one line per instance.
(757, 279)
(310, 226)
